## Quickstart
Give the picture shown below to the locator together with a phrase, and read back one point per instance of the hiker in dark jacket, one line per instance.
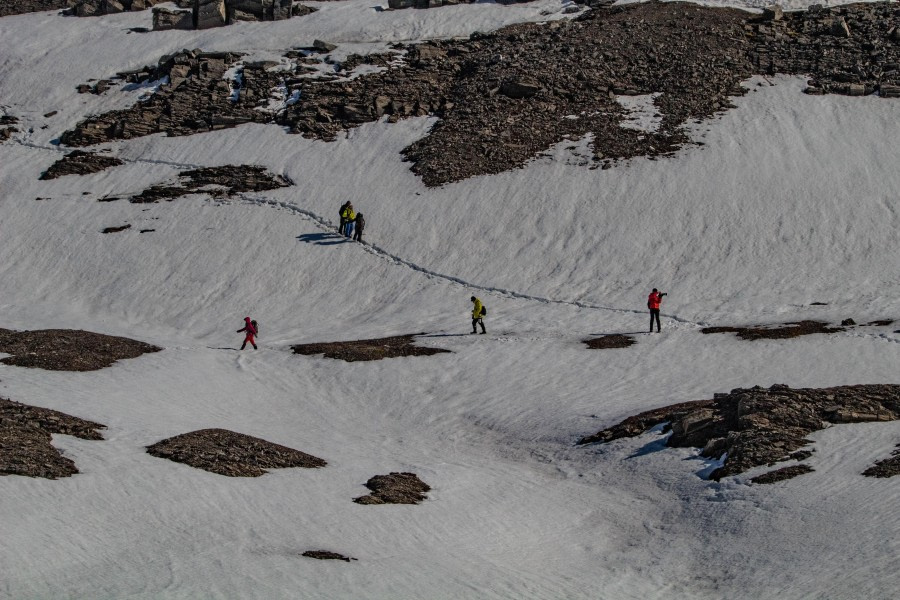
(250, 328)
(360, 225)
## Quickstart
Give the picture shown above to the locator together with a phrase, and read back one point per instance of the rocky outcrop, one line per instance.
(887, 467)
(165, 19)
(613, 340)
(78, 162)
(505, 97)
(779, 331)
(229, 453)
(19, 7)
(25, 440)
(7, 127)
(67, 349)
(365, 350)
(399, 4)
(327, 555)
(757, 426)
(395, 488)
(209, 13)
(219, 182)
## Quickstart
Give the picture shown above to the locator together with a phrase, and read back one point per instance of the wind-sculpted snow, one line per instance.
(756, 426)
(505, 97)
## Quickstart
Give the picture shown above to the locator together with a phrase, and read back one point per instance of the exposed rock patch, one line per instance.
(363, 350)
(230, 453)
(782, 474)
(25, 442)
(396, 488)
(887, 467)
(20, 7)
(115, 229)
(79, 162)
(67, 349)
(7, 127)
(399, 4)
(616, 340)
(505, 97)
(219, 182)
(327, 555)
(776, 332)
(759, 426)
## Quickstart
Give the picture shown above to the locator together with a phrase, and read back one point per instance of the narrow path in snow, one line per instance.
(327, 225)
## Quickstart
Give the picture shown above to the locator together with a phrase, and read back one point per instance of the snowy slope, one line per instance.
(792, 199)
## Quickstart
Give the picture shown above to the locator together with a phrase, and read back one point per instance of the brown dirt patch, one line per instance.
(779, 331)
(887, 467)
(326, 555)
(25, 442)
(396, 488)
(362, 350)
(782, 474)
(79, 162)
(67, 349)
(605, 342)
(758, 426)
(230, 453)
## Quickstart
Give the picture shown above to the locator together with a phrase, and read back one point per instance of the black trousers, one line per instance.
(478, 321)
(654, 314)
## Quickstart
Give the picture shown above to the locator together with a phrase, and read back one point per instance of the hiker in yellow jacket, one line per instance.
(349, 217)
(478, 312)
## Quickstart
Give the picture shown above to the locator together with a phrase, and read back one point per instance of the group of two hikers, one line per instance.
(351, 220)
(653, 302)
(251, 328)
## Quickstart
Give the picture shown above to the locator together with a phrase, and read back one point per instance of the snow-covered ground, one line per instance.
(791, 199)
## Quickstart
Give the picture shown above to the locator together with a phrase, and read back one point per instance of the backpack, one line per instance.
(483, 311)
(255, 326)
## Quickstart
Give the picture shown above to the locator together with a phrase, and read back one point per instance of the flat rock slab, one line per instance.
(67, 349)
(781, 331)
(395, 488)
(605, 342)
(782, 474)
(219, 182)
(362, 350)
(326, 555)
(25, 440)
(79, 162)
(887, 467)
(230, 453)
(757, 426)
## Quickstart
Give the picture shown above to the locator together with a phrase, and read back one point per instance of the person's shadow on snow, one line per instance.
(323, 239)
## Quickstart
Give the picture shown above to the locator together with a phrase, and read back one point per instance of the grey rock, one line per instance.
(164, 19)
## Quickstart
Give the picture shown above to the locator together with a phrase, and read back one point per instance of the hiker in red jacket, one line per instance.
(250, 328)
(653, 302)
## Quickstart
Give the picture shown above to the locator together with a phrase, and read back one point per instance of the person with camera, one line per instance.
(653, 302)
